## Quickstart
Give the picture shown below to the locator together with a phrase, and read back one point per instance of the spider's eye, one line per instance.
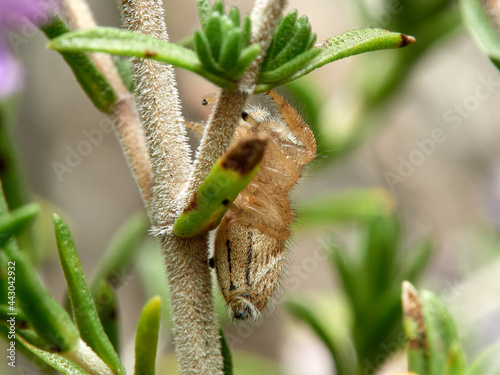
(211, 262)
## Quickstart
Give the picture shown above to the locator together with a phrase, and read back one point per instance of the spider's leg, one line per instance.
(198, 127)
(296, 125)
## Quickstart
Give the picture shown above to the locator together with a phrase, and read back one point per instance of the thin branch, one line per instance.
(159, 106)
(195, 323)
(128, 127)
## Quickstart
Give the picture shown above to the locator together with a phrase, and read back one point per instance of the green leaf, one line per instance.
(482, 29)
(55, 361)
(218, 7)
(84, 310)
(106, 304)
(434, 346)
(296, 45)
(246, 57)
(124, 69)
(228, 177)
(46, 316)
(234, 16)
(226, 354)
(230, 51)
(246, 32)
(202, 48)
(284, 32)
(213, 35)
(146, 339)
(288, 68)
(89, 77)
(312, 41)
(446, 355)
(204, 10)
(120, 42)
(344, 45)
(17, 221)
(346, 206)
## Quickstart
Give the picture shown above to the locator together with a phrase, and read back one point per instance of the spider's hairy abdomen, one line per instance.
(250, 241)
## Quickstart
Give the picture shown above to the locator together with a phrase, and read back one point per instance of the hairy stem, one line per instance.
(128, 127)
(195, 323)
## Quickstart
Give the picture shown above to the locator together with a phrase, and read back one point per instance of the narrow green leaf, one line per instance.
(312, 41)
(204, 11)
(46, 316)
(16, 318)
(380, 252)
(415, 329)
(17, 221)
(230, 51)
(246, 57)
(482, 29)
(344, 45)
(226, 354)
(234, 16)
(346, 269)
(125, 71)
(213, 35)
(89, 77)
(446, 355)
(434, 346)
(204, 52)
(146, 340)
(106, 304)
(228, 177)
(288, 68)
(120, 42)
(84, 310)
(122, 251)
(12, 173)
(296, 45)
(283, 35)
(55, 361)
(218, 7)
(246, 32)
(346, 206)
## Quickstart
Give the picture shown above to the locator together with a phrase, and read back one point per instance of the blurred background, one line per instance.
(430, 138)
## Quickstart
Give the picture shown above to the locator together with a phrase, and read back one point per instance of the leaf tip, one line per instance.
(406, 40)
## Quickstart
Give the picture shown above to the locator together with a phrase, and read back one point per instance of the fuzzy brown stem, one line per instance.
(195, 324)
(127, 124)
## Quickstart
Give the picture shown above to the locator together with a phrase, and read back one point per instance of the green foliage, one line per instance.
(369, 277)
(230, 174)
(226, 354)
(221, 50)
(89, 77)
(83, 306)
(146, 339)
(482, 29)
(17, 221)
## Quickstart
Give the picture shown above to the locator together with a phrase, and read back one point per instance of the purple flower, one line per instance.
(14, 14)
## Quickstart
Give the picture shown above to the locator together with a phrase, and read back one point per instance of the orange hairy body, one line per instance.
(250, 240)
